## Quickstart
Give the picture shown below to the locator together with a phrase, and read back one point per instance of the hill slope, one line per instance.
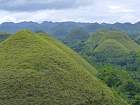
(37, 70)
(121, 37)
(110, 47)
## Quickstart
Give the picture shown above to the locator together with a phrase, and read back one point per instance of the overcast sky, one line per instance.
(109, 11)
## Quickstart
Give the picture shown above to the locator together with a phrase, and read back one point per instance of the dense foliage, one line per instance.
(122, 82)
(112, 47)
(117, 57)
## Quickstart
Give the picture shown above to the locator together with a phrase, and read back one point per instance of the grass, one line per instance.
(120, 37)
(38, 70)
(111, 47)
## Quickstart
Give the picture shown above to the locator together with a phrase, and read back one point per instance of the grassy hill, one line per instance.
(38, 70)
(117, 58)
(120, 37)
(112, 47)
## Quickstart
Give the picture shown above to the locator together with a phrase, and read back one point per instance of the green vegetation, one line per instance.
(38, 70)
(122, 82)
(118, 50)
(117, 59)
(112, 47)
(76, 38)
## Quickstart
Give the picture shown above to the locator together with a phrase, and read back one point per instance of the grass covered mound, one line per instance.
(111, 47)
(38, 70)
(120, 39)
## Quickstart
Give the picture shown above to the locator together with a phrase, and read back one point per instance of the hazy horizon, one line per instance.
(70, 21)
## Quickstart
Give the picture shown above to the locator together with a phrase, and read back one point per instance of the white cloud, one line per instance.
(120, 9)
(87, 11)
(113, 7)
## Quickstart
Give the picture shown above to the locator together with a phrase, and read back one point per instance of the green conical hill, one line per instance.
(38, 70)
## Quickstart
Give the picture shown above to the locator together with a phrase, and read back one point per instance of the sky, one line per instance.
(108, 11)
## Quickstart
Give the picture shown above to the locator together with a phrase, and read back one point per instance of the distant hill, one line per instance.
(76, 38)
(110, 47)
(117, 59)
(62, 29)
(38, 70)
(4, 36)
